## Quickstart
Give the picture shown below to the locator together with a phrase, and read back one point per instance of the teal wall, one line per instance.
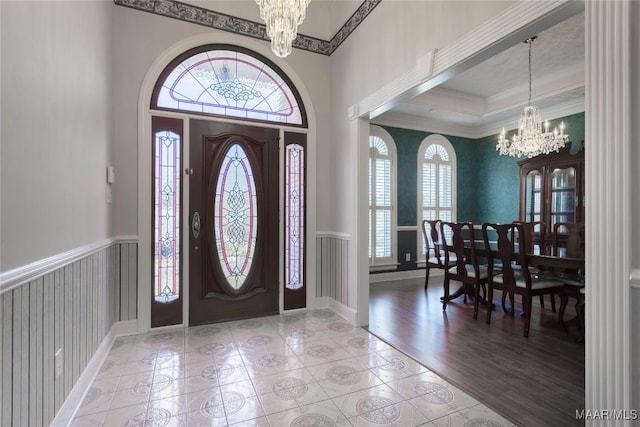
(487, 183)
(407, 144)
(498, 184)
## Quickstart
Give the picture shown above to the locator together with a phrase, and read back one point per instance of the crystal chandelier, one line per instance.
(282, 18)
(531, 141)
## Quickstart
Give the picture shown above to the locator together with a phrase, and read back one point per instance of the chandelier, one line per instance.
(282, 18)
(531, 141)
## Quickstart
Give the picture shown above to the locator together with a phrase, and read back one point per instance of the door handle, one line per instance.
(195, 225)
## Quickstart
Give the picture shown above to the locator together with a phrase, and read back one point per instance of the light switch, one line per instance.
(111, 175)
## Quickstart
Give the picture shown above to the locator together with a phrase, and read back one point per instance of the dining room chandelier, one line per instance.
(282, 18)
(530, 140)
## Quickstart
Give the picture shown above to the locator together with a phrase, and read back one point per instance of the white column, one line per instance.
(608, 143)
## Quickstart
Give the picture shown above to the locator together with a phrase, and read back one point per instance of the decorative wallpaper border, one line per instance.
(220, 21)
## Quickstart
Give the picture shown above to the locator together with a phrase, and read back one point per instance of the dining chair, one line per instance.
(433, 248)
(459, 239)
(514, 280)
(568, 239)
(535, 231)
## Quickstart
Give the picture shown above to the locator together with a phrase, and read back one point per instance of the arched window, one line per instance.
(436, 184)
(222, 80)
(382, 199)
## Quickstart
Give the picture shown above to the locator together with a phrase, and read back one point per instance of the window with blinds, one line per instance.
(381, 198)
(436, 184)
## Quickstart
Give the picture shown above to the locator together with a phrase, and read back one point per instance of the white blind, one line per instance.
(380, 197)
(437, 186)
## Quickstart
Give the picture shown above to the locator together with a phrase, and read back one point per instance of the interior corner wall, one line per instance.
(56, 128)
(140, 39)
(367, 61)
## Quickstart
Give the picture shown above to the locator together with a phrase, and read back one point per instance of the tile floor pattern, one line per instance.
(300, 370)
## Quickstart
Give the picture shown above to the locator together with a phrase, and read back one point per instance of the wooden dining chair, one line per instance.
(511, 280)
(433, 249)
(459, 240)
(535, 231)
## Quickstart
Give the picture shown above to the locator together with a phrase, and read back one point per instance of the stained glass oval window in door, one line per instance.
(235, 216)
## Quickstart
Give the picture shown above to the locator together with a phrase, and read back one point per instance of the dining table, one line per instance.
(569, 271)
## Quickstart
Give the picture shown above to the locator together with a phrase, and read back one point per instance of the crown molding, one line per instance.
(244, 27)
(412, 122)
(407, 121)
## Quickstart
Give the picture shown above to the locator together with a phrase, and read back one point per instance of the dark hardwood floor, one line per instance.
(535, 381)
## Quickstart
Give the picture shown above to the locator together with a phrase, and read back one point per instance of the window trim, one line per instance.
(388, 263)
(424, 145)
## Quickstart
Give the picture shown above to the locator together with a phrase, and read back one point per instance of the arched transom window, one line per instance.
(228, 81)
(436, 183)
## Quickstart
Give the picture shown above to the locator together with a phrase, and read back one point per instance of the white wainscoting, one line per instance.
(68, 302)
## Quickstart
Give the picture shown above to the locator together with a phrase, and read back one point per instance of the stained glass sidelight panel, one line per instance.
(167, 216)
(235, 216)
(294, 214)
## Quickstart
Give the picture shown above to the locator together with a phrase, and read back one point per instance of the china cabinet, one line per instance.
(552, 188)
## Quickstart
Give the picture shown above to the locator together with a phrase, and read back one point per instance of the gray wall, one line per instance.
(56, 127)
(71, 308)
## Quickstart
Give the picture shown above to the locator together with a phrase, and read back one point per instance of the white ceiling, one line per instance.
(480, 101)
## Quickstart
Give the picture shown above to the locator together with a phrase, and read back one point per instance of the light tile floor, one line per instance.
(303, 369)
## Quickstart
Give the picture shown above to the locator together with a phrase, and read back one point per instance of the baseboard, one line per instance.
(348, 313)
(403, 275)
(76, 396)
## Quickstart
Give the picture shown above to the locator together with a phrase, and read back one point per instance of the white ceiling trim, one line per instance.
(408, 121)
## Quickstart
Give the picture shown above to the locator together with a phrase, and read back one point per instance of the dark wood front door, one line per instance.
(233, 213)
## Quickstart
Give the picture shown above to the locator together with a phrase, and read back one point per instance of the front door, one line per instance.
(233, 214)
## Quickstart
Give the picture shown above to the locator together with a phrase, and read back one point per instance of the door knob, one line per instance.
(195, 225)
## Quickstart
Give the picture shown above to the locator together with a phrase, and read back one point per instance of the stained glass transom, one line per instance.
(229, 83)
(167, 216)
(294, 212)
(235, 216)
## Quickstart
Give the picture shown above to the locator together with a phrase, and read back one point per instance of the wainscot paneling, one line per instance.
(635, 338)
(70, 308)
(332, 253)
